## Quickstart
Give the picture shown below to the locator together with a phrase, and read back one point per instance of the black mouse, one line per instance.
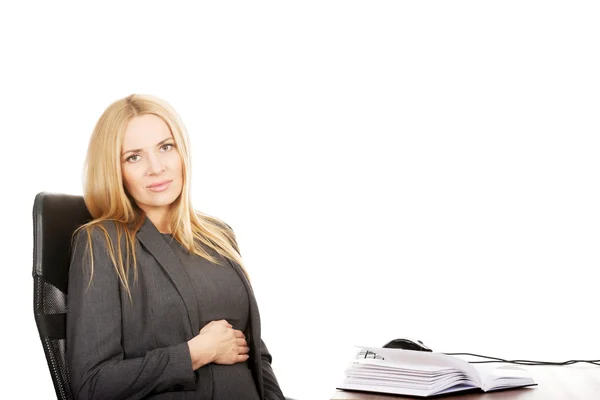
(406, 344)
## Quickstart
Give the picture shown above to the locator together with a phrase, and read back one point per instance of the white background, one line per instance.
(421, 169)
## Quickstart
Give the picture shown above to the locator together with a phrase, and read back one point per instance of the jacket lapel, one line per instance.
(152, 240)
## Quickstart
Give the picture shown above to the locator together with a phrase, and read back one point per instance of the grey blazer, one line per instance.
(122, 349)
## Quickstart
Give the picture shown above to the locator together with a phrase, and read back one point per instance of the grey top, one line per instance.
(220, 295)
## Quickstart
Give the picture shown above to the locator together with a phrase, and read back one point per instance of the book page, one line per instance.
(383, 376)
(424, 358)
(495, 377)
(420, 373)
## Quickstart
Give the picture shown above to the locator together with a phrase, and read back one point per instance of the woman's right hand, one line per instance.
(218, 342)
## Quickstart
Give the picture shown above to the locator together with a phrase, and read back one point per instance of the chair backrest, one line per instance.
(55, 218)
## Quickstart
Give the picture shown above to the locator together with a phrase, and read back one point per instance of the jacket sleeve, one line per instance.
(95, 356)
(270, 384)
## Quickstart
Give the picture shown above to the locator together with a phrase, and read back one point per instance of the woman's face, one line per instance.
(151, 165)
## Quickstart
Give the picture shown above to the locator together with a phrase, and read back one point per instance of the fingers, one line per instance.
(229, 344)
(224, 323)
(237, 359)
(239, 334)
(213, 324)
(242, 357)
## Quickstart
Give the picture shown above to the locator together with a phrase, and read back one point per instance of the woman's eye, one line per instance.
(133, 158)
(166, 147)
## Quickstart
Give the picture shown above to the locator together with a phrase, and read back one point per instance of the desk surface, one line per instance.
(569, 382)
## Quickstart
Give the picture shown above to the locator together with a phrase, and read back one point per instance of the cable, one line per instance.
(522, 362)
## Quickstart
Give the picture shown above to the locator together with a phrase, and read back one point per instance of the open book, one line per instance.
(423, 374)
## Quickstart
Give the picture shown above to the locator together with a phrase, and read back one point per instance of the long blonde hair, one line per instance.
(107, 199)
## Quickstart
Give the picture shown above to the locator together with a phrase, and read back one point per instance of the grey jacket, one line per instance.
(119, 348)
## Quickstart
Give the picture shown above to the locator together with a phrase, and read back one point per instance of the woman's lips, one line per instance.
(159, 186)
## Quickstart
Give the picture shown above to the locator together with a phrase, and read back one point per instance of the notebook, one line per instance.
(424, 374)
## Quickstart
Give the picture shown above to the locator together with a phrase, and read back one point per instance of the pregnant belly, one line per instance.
(232, 382)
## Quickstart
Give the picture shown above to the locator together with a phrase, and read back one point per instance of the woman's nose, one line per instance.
(155, 167)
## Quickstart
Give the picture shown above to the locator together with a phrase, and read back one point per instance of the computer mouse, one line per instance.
(406, 344)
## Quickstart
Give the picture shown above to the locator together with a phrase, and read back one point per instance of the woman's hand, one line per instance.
(218, 342)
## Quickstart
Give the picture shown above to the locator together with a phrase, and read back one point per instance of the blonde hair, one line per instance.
(107, 200)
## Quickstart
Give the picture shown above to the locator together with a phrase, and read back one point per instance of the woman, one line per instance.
(159, 304)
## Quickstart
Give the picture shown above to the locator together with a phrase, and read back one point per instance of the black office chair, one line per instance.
(55, 218)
